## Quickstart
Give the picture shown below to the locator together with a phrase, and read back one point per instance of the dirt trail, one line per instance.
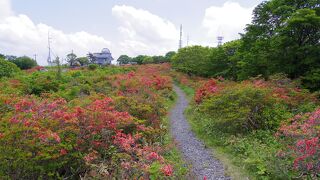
(201, 159)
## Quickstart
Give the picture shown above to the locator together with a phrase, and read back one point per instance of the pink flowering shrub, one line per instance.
(207, 89)
(302, 139)
(93, 136)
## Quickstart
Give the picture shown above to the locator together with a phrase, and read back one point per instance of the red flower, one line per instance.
(167, 170)
(63, 152)
(209, 88)
(153, 156)
(56, 137)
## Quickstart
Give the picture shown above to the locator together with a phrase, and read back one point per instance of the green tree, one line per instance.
(24, 62)
(59, 69)
(170, 55)
(224, 60)
(159, 59)
(7, 69)
(299, 43)
(124, 59)
(72, 59)
(193, 60)
(147, 60)
(282, 38)
(83, 61)
(139, 59)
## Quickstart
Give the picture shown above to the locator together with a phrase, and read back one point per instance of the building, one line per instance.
(102, 58)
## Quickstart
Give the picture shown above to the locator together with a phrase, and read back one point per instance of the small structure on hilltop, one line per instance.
(102, 58)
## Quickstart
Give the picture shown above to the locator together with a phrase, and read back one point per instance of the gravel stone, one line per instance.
(200, 158)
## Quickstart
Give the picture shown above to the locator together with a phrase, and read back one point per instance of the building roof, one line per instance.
(105, 50)
(105, 53)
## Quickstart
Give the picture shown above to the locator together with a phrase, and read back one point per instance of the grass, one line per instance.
(188, 90)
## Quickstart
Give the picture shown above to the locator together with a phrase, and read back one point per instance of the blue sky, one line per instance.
(124, 26)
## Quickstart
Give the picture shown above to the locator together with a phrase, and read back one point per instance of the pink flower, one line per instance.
(167, 170)
(63, 152)
(125, 165)
(153, 156)
(91, 157)
(56, 137)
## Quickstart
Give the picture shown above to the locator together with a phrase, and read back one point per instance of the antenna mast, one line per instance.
(180, 42)
(49, 60)
(220, 39)
(188, 40)
(35, 57)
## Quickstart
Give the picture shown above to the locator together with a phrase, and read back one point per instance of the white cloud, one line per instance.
(19, 35)
(145, 33)
(228, 20)
(5, 9)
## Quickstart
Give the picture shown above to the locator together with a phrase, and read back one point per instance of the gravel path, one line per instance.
(201, 159)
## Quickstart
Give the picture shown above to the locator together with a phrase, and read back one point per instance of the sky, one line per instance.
(131, 27)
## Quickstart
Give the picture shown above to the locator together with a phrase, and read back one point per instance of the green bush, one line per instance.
(7, 69)
(243, 108)
(39, 83)
(312, 80)
(24, 62)
(93, 67)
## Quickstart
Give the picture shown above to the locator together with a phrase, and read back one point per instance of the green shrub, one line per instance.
(93, 67)
(7, 69)
(24, 62)
(312, 80)
(243, 108)
(39, 83)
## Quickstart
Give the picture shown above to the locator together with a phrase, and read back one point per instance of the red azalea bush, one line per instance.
(189, 81)
(207, 89)
(302, 138)
(92, 136)
(42, 138)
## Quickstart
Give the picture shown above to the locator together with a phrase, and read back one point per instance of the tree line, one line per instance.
(284, 37)
(144, 59)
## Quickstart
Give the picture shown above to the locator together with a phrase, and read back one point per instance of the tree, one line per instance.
(224, 60)
(7, 69)
(139, 59)
(83, 61)
(124, 59)
(59, 70)
(283, 38)
(24, 62)
(193, 60)
(170, 55)
(147, 60)
(159, 59)
(72, 59)
(2, 56)
(10, 57)
(91, 58)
